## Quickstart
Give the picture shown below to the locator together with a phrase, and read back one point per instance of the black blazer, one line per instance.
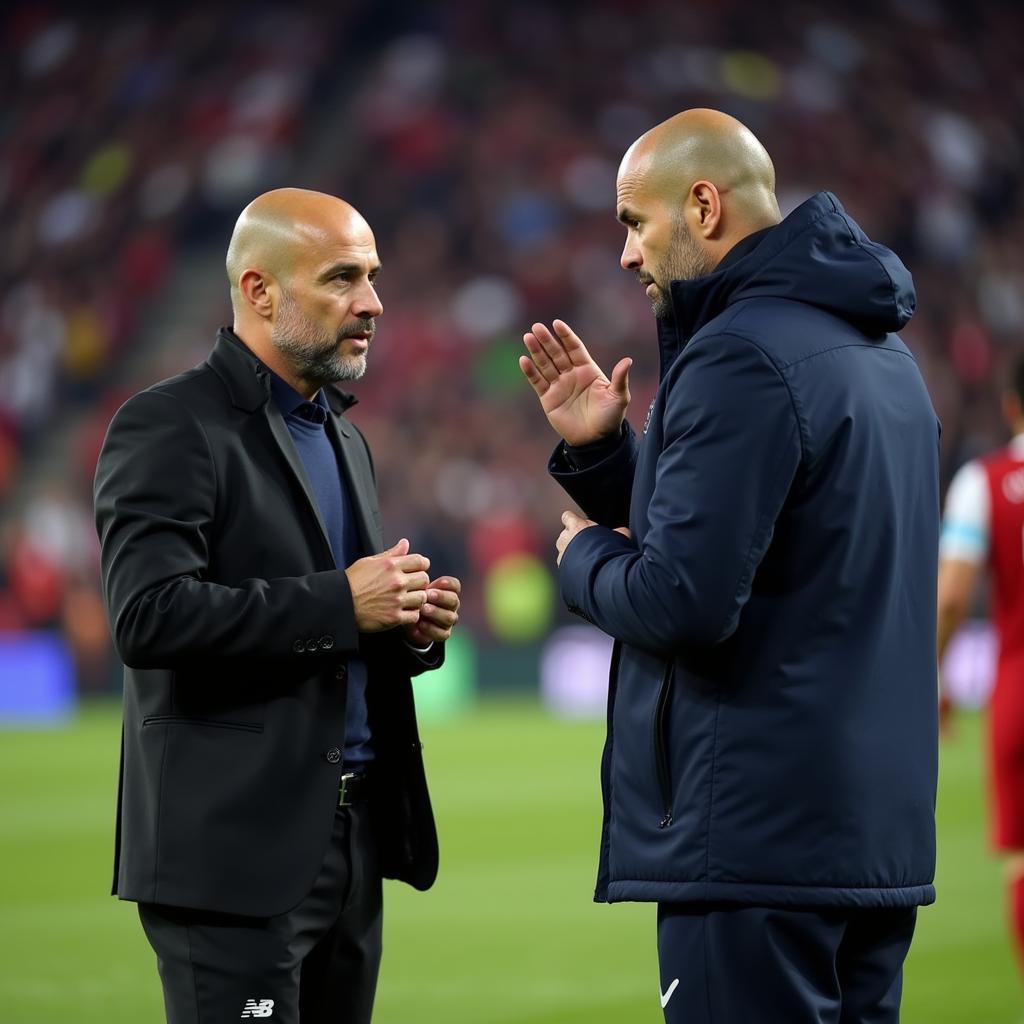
(235, 627)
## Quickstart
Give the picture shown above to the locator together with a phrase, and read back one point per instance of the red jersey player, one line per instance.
(984, 526)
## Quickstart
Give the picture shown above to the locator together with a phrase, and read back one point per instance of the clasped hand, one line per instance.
(393, 589)
(572, 525)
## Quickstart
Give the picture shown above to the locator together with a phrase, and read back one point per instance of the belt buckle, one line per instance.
(343, 800)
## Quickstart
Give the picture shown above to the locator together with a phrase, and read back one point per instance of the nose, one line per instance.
(368, 303)
(631, 258)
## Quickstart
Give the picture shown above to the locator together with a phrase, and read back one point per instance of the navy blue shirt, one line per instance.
(307, 424)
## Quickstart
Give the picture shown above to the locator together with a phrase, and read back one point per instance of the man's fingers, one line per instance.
(560, 545)
(413, 599)
(553, 347)
(451, 583)
(418, 581)
(432, 632)
(620, 377)
(533, 375)
(401, 548)
(443, 599)
(571, 344)
(438, 616)
(412, 563)
(541, 360)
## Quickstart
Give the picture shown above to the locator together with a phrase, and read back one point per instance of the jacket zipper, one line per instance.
(661, 745)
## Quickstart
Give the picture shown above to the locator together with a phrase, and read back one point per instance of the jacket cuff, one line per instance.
(585, 550)
(418, 661)
(601, 481)
(585, 456)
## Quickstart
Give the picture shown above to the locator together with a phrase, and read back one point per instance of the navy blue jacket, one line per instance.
(772, 726)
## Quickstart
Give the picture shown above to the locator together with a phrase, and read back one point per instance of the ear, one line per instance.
(256, 288)
(705, 208)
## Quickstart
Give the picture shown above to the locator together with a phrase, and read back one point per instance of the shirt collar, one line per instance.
(291, 403)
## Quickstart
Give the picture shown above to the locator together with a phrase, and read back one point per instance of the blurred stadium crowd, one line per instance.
(481, 142)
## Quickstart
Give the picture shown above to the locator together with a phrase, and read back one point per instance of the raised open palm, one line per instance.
(580, 402)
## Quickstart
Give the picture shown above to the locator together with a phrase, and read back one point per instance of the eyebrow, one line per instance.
(625, 215)
(350, 268)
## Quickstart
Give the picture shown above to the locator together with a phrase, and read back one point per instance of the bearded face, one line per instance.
(685, 260)
(316, 354)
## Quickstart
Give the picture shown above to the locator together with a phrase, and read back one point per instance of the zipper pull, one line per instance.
(666, 821)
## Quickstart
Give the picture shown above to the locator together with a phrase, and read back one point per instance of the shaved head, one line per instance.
(689, 190)
(302, 267)
(708, 145)
(277, 228)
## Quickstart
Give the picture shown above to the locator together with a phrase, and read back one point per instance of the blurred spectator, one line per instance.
(482, 142)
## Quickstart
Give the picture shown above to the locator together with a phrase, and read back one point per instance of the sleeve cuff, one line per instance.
(585, 456)
(418, 650)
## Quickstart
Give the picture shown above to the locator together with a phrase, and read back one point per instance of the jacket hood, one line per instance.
(817, 255)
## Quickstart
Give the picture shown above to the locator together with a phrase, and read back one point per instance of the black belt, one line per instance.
(354, 788)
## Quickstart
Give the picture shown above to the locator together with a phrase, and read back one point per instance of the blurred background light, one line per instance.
(37, 680)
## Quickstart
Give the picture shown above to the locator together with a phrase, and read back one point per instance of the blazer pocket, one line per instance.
(211, 722)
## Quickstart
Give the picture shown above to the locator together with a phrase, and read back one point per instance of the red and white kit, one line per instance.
(984, 522)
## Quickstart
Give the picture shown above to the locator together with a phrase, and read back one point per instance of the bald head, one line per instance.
(706, 145)
(281, 228)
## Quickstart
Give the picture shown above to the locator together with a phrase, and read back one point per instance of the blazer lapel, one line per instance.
(279, 429)
(359, 481)
(249, 386)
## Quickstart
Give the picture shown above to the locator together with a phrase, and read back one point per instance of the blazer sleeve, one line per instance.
(731, 449)
(155, 503)
(600, 482)
(391, 652)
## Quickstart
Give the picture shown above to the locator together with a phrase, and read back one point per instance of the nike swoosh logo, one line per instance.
(666, 996)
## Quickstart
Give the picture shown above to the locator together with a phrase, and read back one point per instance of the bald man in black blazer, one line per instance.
(271, 771)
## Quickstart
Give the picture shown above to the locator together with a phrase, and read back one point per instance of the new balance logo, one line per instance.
(258, 1008)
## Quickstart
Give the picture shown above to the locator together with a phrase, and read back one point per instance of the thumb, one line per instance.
(620, 377)
(401, 548)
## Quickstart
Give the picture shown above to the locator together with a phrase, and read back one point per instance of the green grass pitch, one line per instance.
(508, 934)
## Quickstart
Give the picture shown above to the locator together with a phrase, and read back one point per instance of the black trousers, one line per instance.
(317, 963)
(724, 964)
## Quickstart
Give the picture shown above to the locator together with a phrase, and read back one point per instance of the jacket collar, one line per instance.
(697, 302)
(248, 380)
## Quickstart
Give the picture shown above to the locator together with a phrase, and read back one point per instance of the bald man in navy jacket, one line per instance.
(765, 558)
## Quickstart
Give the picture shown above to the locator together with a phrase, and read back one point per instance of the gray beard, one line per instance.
(686, 261)
(313, 354)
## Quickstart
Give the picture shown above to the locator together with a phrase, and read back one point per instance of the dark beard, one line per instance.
(686, 261)
(311, 351)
